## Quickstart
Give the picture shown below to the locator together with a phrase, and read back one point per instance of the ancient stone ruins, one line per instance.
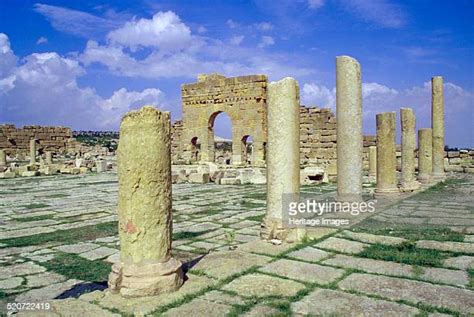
(178, 244)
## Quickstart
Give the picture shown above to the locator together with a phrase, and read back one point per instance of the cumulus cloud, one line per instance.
(43, 89)
(380, 12)
(266, 41)
(163, 31)
(232, 24)
(318, 95)
(236, 40)
(264, 26)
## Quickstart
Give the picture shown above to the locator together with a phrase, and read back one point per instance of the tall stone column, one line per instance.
(3, 158)
(372, 161)
(32, 151)
(437, 126)
(425, 147)
(408, 126)
(349, 129)
(386, 157)
(283, 158)
(49, 158)
(146, 266)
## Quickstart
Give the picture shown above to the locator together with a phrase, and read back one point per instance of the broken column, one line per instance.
(386, 157)
(408, 126)
(32, 151)
(49, 158)
(349, 129)
(425, 146)
(146, 266)
(283, 157)
(437, 126)
(3, 158)
(372, 161)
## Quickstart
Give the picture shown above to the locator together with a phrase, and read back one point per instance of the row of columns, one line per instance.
(48, 155)
(430, 147)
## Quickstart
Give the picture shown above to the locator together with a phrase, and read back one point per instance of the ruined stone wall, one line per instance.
(16, 140)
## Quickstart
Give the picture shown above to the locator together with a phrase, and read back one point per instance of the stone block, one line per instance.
(199, 178)
(30, 173)
(230, 181)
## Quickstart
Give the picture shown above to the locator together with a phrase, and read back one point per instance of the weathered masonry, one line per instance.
(14, 140)
(243, 99)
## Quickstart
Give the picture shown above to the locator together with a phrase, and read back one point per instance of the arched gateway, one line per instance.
(243, 99)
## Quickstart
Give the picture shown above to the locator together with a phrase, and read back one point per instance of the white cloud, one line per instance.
(43, 89)
(318, 95)
(164, 31)
(373, 89)
(381, 12)
(201, 29)
(236, 40)
(315, 4)
(41, 40)
(76, 22)
(266, 41)
(232, 24)
(264, 26)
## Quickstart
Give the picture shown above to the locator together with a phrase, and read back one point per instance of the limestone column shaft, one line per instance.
(408, 126)
(49, 158)
(3, 158)
(437, 126)
(144, 206)
(386, 157)
(349, 129)
(372, 160)
(425, 147)
(283, 156)
(32, 151)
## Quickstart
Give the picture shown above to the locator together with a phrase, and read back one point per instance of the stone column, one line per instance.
(386, 158)
(49, 158)
(3, 158)
(146, 266)
(283, 158)
(425, 147)
(437, 126)
(349, 129)
(32, 151)
(372, 161)
(408, 126)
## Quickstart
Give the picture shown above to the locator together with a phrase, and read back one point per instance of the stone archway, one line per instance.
(243, 99)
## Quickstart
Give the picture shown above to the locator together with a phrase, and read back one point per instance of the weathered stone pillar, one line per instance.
(408, 126)
(49, 158)
(425, 147)
(3, 158)
(437, 126)
(236, 147)
(372, 160)
(32, 151)
(283, 157)
(386, 159)
(146, 266)
(349, 129)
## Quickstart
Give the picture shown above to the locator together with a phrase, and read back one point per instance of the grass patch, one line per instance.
(75, 267)
(260, 196)
(35, 205)
(248, 204)
(66, 236)
(410, 232)
(34, 218)
(97, 183)
(406, 253)
(471, 277)
(258, 218)
(59, 195)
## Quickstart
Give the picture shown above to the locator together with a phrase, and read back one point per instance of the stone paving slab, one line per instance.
(20, 269)
(77, 248)
(457, 299)
(260, 285)
(302, 271)
(342, 245)
(326, 302)
(441, 275)
(309, 254)
(264, 247)
(462, 262)
(223, 264)
(70, 307)
(371, 238)
(48, 292)
(199, 308)
(98, 253)
(446, 246)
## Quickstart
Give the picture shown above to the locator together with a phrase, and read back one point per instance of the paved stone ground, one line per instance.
(414, 256)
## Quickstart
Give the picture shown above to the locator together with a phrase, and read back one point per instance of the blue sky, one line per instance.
(83, 64)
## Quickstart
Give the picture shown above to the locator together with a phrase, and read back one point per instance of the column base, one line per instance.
(438, 177)
(273, 229)
(132, 280)
(391, 191)
(424, 178)
(409, 186)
